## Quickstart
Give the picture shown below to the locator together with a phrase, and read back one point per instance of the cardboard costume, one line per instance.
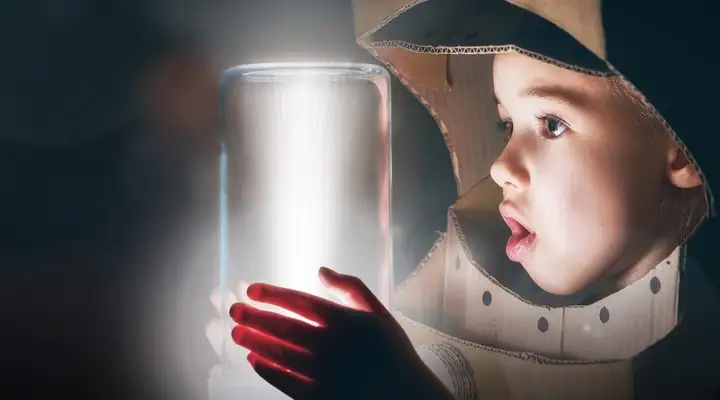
(475, 318)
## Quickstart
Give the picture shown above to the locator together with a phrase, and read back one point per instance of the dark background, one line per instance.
(107, 182)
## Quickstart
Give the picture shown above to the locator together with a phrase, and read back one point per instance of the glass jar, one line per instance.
(305, 182)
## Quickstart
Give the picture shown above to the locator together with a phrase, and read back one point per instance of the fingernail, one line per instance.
(252, 359)
(235, 311)
(254, 291)
(237, 335)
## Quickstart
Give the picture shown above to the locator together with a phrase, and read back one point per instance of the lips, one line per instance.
(522, 237)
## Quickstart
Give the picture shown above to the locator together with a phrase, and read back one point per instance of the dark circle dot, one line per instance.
(655, 285)
(487, 298)
(667, 262)
(457, 262)
(543, 324)
(604, 315)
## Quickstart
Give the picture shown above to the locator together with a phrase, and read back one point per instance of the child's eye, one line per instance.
(553, 127)
(505, 127)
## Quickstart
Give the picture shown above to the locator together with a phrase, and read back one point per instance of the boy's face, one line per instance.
(582, 179)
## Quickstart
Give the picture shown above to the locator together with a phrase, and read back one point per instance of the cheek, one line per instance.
(583, 208)
(587, 206)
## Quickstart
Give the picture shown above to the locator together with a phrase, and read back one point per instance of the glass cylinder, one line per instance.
(305, 182)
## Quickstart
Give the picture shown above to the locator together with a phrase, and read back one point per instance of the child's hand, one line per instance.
(351, 353)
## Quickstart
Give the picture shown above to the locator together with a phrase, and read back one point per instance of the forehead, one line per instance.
(515, 74)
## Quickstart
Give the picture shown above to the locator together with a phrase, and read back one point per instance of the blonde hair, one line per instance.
(645, 112)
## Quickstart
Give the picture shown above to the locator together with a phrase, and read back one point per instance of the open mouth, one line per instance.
(520, 240)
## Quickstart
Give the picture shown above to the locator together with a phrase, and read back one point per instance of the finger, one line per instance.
(234, 354)
(284, 328)
(355, 291)
(303, 304)
(277, 352)
(294, 386)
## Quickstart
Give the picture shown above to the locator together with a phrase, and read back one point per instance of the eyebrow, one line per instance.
(557, 94)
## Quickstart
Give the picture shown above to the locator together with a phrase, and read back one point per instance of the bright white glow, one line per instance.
(305, 135)
(303, 178)
(310, 182)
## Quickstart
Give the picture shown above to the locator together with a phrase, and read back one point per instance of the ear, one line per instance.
(680, 171)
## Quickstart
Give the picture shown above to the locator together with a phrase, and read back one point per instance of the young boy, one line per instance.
(586, 152)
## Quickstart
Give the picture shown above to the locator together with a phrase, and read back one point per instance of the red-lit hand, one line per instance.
(352, 353)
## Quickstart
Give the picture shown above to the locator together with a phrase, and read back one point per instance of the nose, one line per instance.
(509, 170)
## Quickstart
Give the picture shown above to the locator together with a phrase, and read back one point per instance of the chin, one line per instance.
(551, 284)
(560, 289)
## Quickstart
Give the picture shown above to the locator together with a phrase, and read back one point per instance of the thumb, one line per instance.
(350, 288)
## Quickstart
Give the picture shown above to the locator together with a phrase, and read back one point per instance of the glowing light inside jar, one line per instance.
(299, 187)
(306, 180)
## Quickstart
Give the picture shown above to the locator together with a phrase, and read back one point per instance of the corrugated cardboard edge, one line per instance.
(637, 317)
(500, 374)
(583, 21)
(420, 295)
(447, 292)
